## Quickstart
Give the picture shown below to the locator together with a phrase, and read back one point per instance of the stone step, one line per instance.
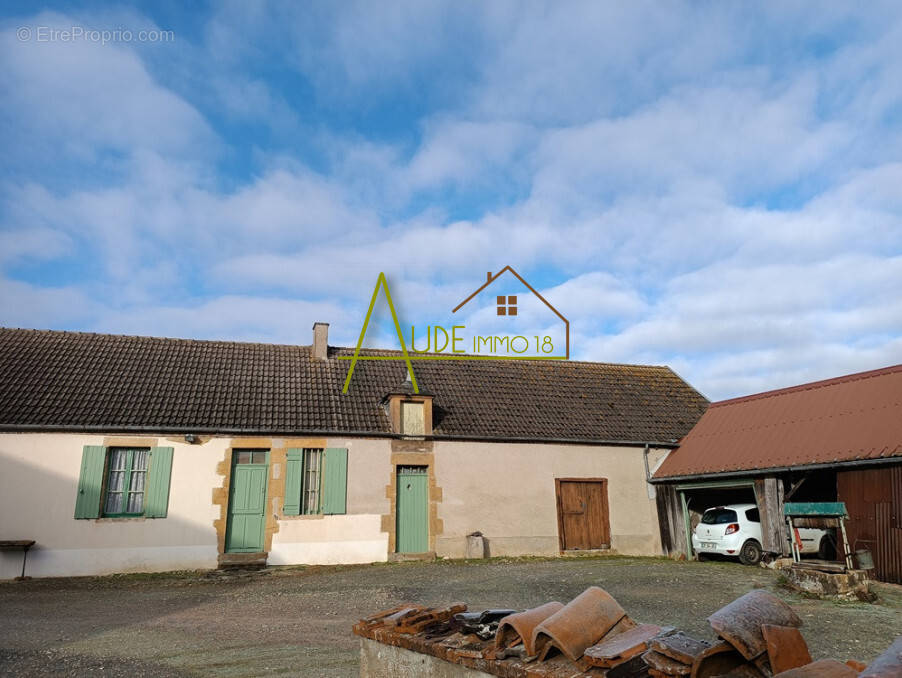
(405, 557)
(245, 561)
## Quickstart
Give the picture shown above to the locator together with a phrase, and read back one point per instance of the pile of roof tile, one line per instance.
(758, 636)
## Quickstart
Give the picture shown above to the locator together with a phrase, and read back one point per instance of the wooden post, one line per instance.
(671, 520)
(845, 541)
(769, 492)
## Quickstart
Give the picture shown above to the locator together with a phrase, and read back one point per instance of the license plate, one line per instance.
(708, 545)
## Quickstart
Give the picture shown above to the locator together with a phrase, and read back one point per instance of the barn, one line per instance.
(834, 440)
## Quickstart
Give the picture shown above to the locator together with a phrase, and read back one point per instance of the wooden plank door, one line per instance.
(247, 501)
(412, 521)
(583, 522)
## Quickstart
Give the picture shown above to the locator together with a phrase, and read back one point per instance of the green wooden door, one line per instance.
(247, 501)
(411, 509)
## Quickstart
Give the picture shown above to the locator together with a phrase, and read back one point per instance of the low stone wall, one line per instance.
(849, 585)
(386, 661)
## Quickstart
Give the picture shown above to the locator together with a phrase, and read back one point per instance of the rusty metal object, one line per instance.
(825, 668)
(786, 647)
(666, 665)
(484, 624)
(887, 664)
(718, 659)
(740, 621)
(614, 650)
(578, 625)
(681, 647)
(517, 628)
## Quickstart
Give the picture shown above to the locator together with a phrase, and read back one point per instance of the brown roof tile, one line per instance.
(75, 380)
(849, 418)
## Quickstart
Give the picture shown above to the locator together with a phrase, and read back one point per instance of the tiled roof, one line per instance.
(850, 418)
(74, 380)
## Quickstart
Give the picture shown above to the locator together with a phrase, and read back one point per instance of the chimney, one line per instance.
(488, 277)
(320, 341)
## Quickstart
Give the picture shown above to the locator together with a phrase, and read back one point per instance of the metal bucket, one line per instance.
(865, 559)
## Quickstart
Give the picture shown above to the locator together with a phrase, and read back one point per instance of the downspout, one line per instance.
(650, 489)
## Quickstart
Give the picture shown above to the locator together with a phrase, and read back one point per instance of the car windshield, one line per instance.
(718, 516)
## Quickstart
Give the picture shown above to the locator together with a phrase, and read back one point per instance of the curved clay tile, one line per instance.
(579, 624)
(519, 627)
(825, 668)
(739, 623)
(786, 647)
(616, 649)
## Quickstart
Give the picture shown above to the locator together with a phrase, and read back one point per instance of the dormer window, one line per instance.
(413, 420)
(410, 413)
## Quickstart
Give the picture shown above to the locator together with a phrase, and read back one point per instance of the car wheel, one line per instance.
(750, 553)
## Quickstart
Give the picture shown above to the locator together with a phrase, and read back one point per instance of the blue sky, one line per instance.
(712, 186)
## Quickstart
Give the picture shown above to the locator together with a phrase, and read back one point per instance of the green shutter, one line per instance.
(156, 497)
(335, 481)
(90, 482)
(294, 466)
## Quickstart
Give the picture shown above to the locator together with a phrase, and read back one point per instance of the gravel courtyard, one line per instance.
(297, 621)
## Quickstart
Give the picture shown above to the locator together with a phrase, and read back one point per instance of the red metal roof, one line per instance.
(855, 417)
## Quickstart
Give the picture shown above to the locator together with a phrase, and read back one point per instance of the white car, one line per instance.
(735, 530)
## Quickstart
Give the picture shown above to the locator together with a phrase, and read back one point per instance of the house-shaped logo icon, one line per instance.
(508, 304)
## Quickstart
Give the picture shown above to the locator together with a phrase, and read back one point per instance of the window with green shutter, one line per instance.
(126, 479)
(90, 482)
(316, 481)
(124, 482)
(335, 481)
(294, 462)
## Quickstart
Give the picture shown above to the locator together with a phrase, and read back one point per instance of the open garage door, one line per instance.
(699, 497)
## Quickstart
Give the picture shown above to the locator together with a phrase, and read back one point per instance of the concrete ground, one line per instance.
(297, 621)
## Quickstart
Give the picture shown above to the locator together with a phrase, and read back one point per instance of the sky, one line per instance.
(712, 186)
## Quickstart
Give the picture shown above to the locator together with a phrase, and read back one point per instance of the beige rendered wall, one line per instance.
(38, 487)
(656, 458)
(39, 482)
(507, 492)
(353, 538)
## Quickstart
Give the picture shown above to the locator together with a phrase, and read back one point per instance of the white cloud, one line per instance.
(82, 97)
(44, 307)
(688, 192)
(467, 152)
(35, 242)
